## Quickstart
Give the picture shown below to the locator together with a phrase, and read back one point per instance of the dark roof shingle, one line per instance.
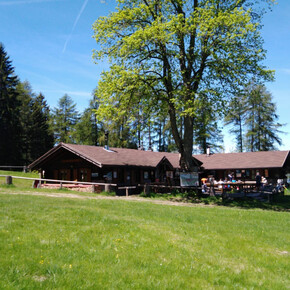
(244, 160)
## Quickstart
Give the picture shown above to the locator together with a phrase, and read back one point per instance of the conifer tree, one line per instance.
(42, 138)
(64, 120)
(261, 120)
(25, 96)
(10, 126)
(235, 118)
(86, 130)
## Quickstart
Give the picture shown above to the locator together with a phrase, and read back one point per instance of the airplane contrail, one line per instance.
(75, 24)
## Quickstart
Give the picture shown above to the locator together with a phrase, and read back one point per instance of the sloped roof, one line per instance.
(244, 160)
(114, 156)
(133, 157)
(123, 156)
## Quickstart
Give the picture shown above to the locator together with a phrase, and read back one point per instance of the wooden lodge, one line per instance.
(120, 166)
(245, 165)
(126, 167)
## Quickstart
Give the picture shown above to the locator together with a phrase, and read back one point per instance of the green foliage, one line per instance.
(254, 120)
(87, 129)
(36, 135)
(25, 132)
(10, 144)
(235, 118)
(261, 120)
(166, 55)
(206, 129)
(252, 115)
(42, 138)
(64, 120)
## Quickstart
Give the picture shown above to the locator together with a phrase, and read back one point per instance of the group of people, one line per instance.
(261, 181)
(209, 184)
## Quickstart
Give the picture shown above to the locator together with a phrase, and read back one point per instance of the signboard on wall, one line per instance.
(189, 179)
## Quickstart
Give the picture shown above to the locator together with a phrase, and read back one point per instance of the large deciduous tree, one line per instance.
(168, 54)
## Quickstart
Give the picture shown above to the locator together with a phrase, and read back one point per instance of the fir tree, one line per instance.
(10, 127)
(235, 118)
(65, 118)
(261, 119)
(42, 138)
(86, 130)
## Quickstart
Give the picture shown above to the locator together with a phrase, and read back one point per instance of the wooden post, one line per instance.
(146, 189)
(9, 180)
(223, 192)
(127, 191)
(107, 187)
(60, 186)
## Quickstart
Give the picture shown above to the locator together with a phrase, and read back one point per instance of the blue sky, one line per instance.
(50, 44)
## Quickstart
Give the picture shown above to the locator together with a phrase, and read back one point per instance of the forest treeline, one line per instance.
(29, 127)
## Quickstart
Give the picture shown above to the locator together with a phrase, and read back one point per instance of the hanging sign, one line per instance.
(189, 179)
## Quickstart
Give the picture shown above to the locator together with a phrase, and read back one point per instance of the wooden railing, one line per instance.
(38, 181)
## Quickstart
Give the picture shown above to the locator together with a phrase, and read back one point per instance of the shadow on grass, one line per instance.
(279, 203)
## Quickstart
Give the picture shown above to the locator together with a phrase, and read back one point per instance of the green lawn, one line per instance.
(23, 185)
(111, 244)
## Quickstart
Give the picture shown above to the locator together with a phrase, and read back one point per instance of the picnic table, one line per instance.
(240, 186)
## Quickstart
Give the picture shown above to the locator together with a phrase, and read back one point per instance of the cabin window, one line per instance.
(238, 173)
(84, 175)
(115, 174)
(109, 176)
(146, 174)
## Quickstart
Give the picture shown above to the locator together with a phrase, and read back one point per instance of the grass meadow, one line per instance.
(65, 243)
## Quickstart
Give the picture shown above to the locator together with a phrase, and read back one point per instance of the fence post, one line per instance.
(9, 180)
(107, 187)
(146, 189)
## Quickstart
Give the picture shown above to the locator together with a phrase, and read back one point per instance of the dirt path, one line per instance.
(129, 198)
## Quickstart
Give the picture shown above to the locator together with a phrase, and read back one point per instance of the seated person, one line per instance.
(204, 188)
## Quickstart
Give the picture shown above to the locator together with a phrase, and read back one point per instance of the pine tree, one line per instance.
(10, 127)
(207, 133)
(235, 118)
(86, 130)
(64, 119)
(42, 138)
(261, 119)
(25, 96)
